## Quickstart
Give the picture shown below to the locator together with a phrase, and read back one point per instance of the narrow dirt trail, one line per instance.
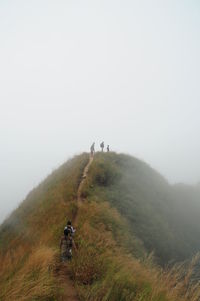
(69, 291)
(79, 191)
(84, 176)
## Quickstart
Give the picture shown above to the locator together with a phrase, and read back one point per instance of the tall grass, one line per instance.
(166, 222)
(111, 263)
(29, 238)
(32, 278)
(104, 269)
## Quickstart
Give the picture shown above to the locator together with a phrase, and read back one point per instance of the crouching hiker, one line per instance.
(66, 245)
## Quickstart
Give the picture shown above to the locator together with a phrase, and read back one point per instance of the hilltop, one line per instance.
(123, 211)
(164, 217)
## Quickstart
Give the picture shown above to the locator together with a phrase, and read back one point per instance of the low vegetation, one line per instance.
(29, 238)
(163, 217)
(129, 210)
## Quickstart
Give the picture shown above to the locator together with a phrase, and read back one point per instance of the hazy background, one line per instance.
(74, 72)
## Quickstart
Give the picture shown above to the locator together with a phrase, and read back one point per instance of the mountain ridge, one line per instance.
(123, 217)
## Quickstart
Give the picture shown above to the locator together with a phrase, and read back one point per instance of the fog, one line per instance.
(73, 72)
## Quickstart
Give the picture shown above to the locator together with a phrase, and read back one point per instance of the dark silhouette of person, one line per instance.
(102, 146)
(92, 150)
(108, 148)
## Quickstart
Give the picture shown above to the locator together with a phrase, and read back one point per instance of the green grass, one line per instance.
(35, 228)
(129, 210)
(104, 268)
(159, 217)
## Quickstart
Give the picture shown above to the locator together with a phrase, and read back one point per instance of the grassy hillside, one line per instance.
(29, 238)
(165, 218)
(125, 214)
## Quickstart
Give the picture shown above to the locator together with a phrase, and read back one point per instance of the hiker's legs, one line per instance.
(69, 254)
(64, 257)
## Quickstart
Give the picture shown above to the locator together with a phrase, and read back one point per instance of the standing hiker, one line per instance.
(108, 148)
(66, 245)
(92, 150)
(102, 146)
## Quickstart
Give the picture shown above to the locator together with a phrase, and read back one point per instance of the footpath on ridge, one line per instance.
(69, 291)
(84, 176)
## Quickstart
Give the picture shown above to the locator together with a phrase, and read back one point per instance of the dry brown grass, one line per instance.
(104, 270)
(29, 239)
(30, 279)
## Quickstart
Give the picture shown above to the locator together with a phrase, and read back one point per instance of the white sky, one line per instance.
(73, 72)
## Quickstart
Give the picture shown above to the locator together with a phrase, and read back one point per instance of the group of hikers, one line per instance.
(92, 148)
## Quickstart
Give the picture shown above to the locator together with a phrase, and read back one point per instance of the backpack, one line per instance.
(68, 231)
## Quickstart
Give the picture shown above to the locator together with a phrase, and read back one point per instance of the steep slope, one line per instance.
(121, 208)
(29, 238)
(164, 217)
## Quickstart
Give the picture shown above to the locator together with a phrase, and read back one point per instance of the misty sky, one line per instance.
(73, 72)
